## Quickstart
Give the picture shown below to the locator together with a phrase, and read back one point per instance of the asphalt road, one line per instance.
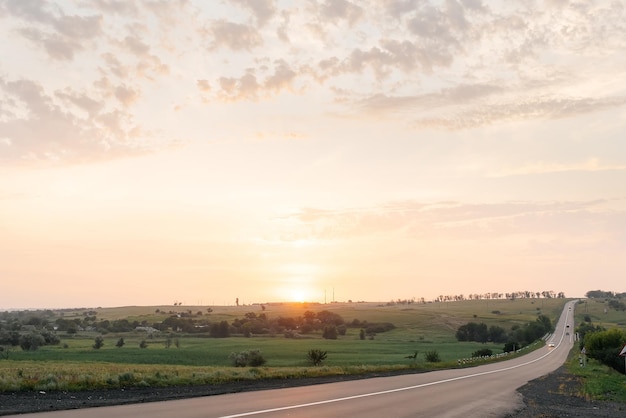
(482, 391)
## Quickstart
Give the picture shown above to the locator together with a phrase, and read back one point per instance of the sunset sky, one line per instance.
(154, 152)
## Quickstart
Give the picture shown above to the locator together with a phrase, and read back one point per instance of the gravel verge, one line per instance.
(556, 395)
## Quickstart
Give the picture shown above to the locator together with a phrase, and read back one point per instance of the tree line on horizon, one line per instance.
(522, 294)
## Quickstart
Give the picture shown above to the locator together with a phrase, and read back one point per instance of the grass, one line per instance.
(75, 365)
(599, 382)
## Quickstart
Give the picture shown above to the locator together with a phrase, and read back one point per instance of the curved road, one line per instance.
(485, 391)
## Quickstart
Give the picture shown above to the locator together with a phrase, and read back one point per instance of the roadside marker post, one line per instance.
(623, 354)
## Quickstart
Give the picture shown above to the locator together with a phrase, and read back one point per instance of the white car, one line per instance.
(550, 344)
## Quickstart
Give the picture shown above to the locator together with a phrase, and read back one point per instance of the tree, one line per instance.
(32, 341)
(316, 356)
(497, 334)
(473, 331)
(120, 342)
(98, 342)
(511, 346)
(220, 330)
(143, 344)
(330, 332)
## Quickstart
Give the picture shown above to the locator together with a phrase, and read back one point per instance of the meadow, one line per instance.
(75, 365)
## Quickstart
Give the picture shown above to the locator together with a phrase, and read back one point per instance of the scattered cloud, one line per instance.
(542, 167)
(234, 36)
(453, 65)
(263, 10)
(449, 220)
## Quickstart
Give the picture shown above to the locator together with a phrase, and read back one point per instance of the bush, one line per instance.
(316, 356)
(432, 356)
(483, 352)
(252, 358)
(120, 342)
(98, 342)
(605, 346)
(511, 346)
(32, 341)
(379, 327)
(143, 344)
(330, 332)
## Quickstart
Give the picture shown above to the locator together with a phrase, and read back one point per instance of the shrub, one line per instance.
(252, 358)
(120, 342)
(98, 342)
(143, 344)
(32, 341)
(432, 356)
(330, 332)
(316, 356)
(482, 352)
(511, 346)
(605, 346)
(378, 327)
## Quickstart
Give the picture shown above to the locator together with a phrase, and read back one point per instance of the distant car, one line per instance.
(550, 344)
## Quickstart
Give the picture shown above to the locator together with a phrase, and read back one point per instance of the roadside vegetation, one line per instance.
(595, 359)
(78, 349)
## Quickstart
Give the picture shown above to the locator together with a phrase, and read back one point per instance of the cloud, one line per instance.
(57, 47)
(60, 35)
(590, 165)
(482, 114)
(116, 7)
(249, 87)
(449, 220)
(234, 36)
(335, 10)
(263, 10)
(453, 65)
(36, 127)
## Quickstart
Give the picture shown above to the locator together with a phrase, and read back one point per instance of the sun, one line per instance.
(297, 295)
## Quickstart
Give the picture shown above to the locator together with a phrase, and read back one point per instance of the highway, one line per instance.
(483, 391)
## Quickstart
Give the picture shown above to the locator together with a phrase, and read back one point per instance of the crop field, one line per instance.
(169, 358)
(599, 313)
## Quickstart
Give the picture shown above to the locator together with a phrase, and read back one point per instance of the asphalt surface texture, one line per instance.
(554, 395)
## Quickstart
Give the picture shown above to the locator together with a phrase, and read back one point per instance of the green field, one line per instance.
(74, 364)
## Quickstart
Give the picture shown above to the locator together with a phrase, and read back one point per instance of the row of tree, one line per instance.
(518, 336)
(524, 294)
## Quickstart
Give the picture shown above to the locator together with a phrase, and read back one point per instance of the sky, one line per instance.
(253, 151)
